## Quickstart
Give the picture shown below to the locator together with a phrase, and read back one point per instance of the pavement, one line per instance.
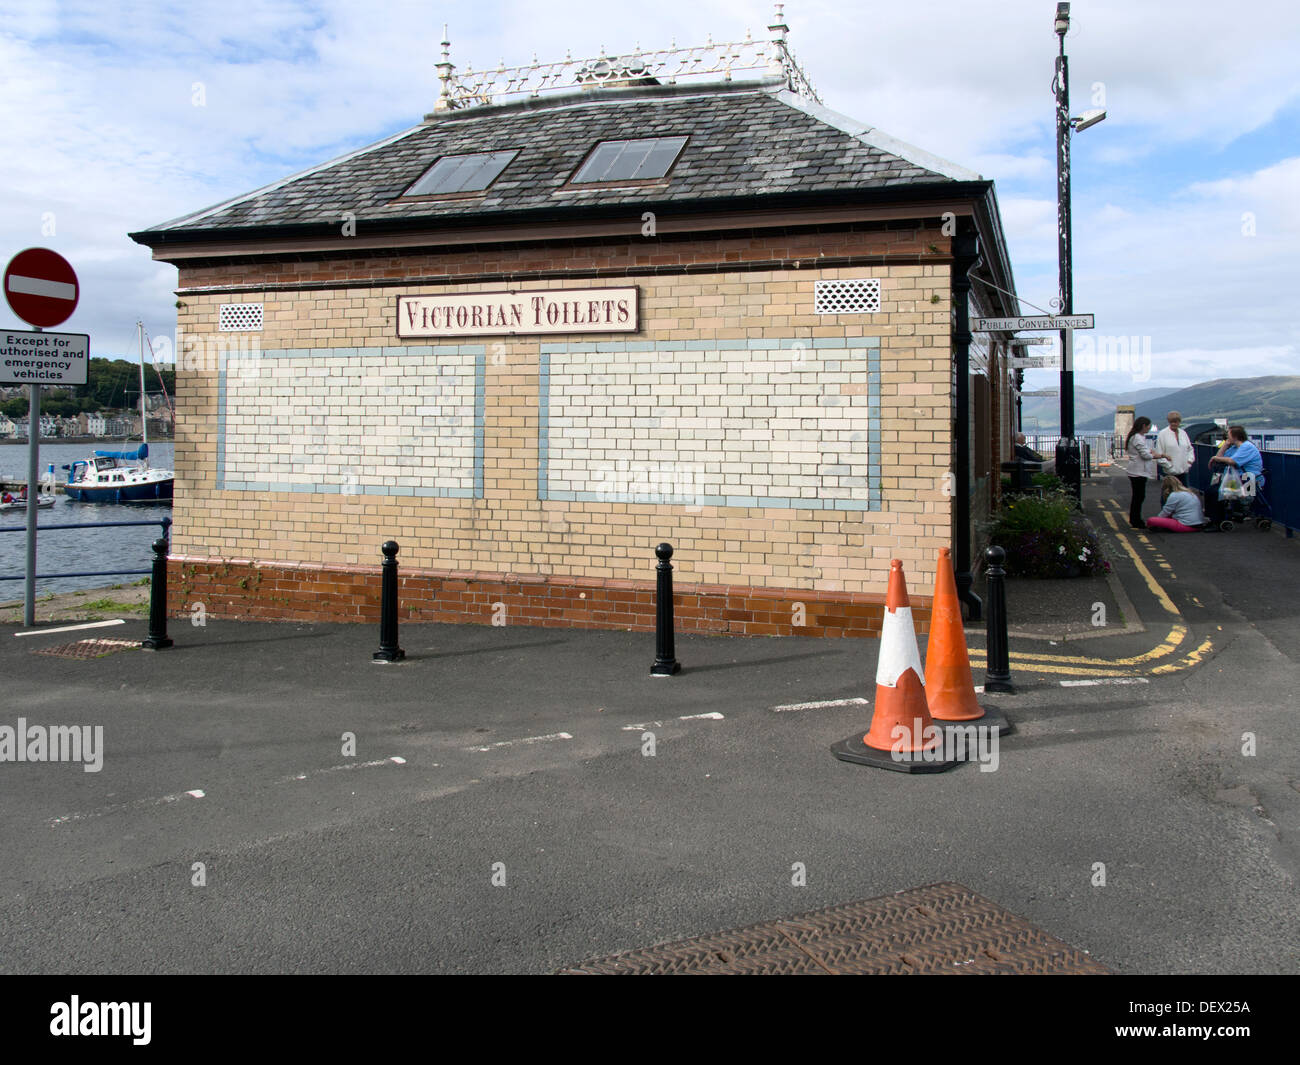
(519, 800)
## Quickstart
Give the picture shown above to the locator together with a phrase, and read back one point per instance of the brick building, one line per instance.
(578, 310)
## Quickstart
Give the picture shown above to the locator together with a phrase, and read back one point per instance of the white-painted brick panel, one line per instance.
(743, 423)
(352, 421)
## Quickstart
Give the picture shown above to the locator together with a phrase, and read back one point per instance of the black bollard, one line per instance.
(997, 675)
(388, 649)
(157, 638)
(665, 663)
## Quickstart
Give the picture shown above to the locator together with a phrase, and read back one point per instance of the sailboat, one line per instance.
(121, 476)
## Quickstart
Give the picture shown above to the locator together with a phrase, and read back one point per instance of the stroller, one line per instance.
(1247, 504)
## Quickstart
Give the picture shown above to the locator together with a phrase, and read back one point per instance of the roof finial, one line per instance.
(778, 28)
(776, 64)
(446, 75)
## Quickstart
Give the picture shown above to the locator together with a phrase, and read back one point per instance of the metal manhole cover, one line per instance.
(88, 648)
(942, 928)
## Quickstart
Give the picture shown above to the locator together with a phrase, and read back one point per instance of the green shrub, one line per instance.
(1046, 536)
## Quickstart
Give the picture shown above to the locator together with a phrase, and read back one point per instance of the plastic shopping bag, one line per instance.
(1232, 487)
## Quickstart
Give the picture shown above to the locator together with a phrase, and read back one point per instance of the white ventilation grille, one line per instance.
(240, 318)
(858, 295)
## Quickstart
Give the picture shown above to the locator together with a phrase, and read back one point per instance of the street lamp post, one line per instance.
(1067, 448)
(1068, 461)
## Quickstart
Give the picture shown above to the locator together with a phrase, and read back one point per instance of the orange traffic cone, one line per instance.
(902, 736)
(949, 686)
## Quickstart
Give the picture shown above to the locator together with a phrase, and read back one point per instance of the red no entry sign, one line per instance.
(41, 287)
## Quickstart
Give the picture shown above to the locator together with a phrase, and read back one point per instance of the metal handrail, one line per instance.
(164, 522)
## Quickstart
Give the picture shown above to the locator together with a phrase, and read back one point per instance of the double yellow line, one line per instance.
(1083, 665)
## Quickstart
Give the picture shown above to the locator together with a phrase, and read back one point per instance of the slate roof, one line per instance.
(745, 141)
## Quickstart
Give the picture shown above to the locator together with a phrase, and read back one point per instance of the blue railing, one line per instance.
(1281, 482)
(164, 522)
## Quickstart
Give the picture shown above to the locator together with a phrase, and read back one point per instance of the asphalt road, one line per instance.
(524, 747)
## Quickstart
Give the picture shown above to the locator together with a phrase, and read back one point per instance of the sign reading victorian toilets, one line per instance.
(570, 310)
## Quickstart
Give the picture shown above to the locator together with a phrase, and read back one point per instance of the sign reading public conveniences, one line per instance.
(505, 313)
(41, 287)
(1036, 321)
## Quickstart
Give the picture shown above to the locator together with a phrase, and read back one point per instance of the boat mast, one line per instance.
(144, 420)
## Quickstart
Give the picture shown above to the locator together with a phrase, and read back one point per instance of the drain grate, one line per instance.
(942, 928)
(88, 648)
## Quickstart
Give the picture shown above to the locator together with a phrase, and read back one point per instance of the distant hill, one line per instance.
(1043, 413)
(1255, 402)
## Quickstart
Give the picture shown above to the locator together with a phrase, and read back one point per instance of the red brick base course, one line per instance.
(242, 589)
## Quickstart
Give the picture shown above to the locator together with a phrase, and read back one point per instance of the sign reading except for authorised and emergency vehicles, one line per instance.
(31, 358)
(1038, 321)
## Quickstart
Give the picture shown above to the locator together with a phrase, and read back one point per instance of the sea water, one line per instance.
(75, 550)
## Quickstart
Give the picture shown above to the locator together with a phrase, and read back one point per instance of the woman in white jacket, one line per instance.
(1141, 468)
(1175, 443)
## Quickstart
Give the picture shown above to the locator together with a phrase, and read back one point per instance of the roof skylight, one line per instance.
(637, 160)
(454, 174)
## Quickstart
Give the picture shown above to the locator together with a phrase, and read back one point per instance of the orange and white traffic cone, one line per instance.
(902, 736)
(949, 685)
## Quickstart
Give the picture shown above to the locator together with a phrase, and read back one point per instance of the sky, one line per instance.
(1186, 199)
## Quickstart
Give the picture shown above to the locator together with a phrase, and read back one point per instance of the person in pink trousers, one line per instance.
(1182, 511)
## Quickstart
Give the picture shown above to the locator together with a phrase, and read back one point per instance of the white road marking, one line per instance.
(712, 715)
(818, 706)
(523, 742)
(136, 805)
(1103, 680)
(40, 286)
(393, 760)
(72, 628)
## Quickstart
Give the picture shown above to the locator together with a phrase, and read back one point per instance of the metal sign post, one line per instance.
(33, 495)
